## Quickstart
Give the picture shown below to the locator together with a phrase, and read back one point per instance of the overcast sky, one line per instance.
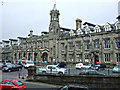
(19, 16)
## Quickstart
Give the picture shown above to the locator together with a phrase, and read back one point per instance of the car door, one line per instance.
(6, 85)
(54, 70)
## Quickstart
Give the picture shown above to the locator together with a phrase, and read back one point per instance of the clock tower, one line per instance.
(54, 27)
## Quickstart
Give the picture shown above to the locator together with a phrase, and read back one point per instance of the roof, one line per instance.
(90, 24)
(118, 17)
(65, 29)
(6, 41)
(13, 39)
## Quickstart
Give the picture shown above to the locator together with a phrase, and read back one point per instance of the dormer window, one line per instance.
(72, 33)
(79, 32)
(107, 27)
(117, 25)
(97, 29)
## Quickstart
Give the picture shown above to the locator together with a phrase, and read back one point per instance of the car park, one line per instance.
(116, 69)
(98, 66)
(11, 67)
(90, 72)
(12, 84)
(73, 87)
(81, 65)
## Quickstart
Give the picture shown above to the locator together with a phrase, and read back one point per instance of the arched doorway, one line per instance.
(45, 57)
(96, 59)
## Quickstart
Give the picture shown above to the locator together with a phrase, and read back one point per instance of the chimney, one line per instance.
(78, 23)
(31, 33)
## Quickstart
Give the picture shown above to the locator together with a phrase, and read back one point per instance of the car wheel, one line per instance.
(9, 70)
(60, 73)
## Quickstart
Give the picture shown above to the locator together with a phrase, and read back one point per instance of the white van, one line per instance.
(28, 64)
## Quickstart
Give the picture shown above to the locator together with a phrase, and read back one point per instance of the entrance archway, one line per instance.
(45, 57)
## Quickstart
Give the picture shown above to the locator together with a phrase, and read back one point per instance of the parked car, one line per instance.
(1, 65)
(99, 66)
(11, 67)
(20, 63)
(28, 64)
(74, 87)
(52, 69)
(12, 84)
(81, 65)
(116, 69)
(61, 64)
(90, 72)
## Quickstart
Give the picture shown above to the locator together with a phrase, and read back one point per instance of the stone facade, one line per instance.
(88, 43)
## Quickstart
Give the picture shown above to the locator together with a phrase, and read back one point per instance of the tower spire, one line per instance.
(54, 8)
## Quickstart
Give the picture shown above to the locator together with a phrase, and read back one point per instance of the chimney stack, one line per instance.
(31, 33)
(78, 23)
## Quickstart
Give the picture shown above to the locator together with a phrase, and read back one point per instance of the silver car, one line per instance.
(116, 69)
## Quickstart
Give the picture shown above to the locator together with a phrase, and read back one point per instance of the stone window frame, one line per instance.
(118, 57)
(117, 43)
(107, 44)
(86, 45)
(107, 57)
(78, 45)
(96, 44)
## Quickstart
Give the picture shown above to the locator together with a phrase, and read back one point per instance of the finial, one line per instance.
(54, 8)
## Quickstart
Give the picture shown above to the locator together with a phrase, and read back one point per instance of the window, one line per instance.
(78, 45)
(117, 42)
(87, 57)
(96, 44)
(70, 57)
(45, 44)
(63, 46)
(79, 32)
(78, 57)
(7, 83)
(34, 45)
(107, 43)
(107, 57)
(40, 44)
(29, 45)
(118, 57)
(19, 83)
(87, 45)
(70, 45)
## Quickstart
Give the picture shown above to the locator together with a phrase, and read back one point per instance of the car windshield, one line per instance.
(58, 67)
(97, 65)
(9, 65)
(29, 62)
(118, 66)
(19, 83)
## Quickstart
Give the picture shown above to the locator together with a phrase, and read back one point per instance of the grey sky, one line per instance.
(19, 16)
